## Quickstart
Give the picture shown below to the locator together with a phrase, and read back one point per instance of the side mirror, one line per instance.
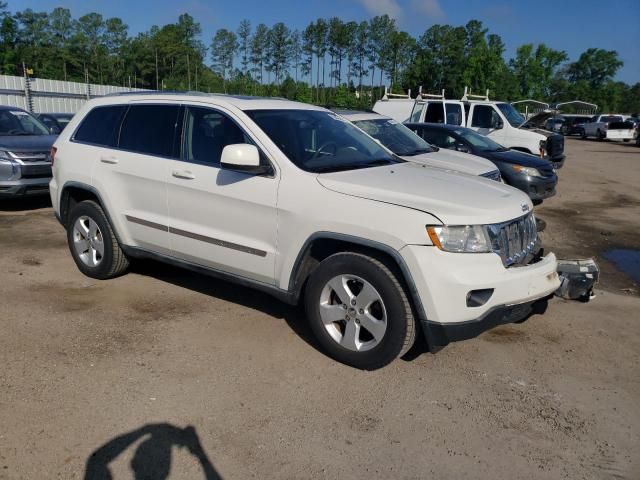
(498, 125)
(243, 157)
(54, 130)
(461, 147)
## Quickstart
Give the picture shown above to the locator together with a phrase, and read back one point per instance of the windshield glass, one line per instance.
(18, 122)
(511, 114)
(320, 141)
(395, 136)
(482, 143)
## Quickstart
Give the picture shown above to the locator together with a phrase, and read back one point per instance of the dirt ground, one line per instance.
(97, 375)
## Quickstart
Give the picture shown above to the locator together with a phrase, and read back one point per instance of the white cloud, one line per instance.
(430, 8)
(380, 7)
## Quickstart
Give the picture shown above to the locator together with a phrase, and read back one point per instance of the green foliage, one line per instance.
(330, 62)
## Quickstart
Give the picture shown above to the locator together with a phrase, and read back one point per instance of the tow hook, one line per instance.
(577, 279)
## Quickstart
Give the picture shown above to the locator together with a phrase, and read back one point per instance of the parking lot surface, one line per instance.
(108, 375)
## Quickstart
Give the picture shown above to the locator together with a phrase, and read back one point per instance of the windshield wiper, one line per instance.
(417, 152)
(352, 166)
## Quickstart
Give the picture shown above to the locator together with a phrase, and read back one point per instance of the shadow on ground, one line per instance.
(233, 293)
(152, 458)
(22, 204)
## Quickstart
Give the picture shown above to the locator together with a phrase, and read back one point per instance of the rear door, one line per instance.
(134, 175)
(220, 218)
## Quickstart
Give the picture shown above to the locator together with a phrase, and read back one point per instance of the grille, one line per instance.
(555, 145)
(494, 175)
(30, 157)
(514, 240)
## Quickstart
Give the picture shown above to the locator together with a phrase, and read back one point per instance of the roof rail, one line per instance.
(387, 95)
(158, 92)
(468, 96)
(439, 96)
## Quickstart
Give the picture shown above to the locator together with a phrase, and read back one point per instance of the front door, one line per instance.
(220, 218)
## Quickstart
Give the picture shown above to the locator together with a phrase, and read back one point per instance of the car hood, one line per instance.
(29, 143)
(455, 199)
(518, 158)
(539, 119)
(454, 161)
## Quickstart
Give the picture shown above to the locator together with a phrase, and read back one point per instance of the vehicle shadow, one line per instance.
(25, 203)
(294, 316)
(152, 458)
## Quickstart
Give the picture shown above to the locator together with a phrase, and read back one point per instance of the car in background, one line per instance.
(55, 120)
(555, 124)
(406, 144)
(608, 127)
(534, 176)
(25, 146)
(573, 124)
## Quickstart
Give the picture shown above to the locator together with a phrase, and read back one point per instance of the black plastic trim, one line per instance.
(282, 295)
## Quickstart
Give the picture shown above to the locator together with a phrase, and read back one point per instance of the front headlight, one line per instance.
(8, 167)
(530, 171)
(460, 238)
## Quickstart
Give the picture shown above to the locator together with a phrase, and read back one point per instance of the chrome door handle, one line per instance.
(109, 160)
(186, 174)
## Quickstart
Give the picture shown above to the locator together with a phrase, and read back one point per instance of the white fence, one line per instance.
(40, 95)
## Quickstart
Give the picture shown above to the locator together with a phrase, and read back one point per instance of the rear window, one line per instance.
(150, 129)
(101, 126)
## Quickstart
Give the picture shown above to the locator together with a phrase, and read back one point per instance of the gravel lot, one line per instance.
(110, 373)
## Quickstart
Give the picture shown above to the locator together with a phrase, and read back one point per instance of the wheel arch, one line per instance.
(75, 192)
(321, 245)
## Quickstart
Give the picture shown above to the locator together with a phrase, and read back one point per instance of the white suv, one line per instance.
(294, 200)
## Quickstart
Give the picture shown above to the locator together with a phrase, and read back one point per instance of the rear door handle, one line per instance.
(109, 160)
(186, 174)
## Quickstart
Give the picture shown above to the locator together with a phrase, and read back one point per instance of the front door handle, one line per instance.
(186, 174)
(109, 160)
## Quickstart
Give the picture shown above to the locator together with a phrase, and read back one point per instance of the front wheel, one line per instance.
(359, 311)
(93, 244)
(583, 134)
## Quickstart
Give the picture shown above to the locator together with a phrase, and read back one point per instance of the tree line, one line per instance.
(329, 62)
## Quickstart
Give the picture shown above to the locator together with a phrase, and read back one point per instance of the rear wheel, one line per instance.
(583, 134)
(359, 311)
(93, 244)
(600, 135)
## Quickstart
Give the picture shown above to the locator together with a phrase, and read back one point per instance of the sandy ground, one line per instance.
(97, 375)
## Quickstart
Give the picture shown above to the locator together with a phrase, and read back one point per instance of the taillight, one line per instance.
(52, 155)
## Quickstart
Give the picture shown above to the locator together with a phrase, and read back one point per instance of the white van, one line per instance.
(498, 120)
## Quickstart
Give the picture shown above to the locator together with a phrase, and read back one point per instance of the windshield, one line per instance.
(480, 142)
(511, 114)
(320, 141)
(18, 122)
(395, 136)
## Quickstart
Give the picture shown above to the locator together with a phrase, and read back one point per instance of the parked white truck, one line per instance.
(498, 120)
(608, 127)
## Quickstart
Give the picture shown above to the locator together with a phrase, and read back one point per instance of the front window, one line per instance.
(395, 136)
(480, 142)
(19, 122)
(319, 141)
(514, 117)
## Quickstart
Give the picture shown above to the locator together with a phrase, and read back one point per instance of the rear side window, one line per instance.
(150, 129)
(101, 126)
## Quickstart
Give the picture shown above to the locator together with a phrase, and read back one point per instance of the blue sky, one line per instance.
(570, 25)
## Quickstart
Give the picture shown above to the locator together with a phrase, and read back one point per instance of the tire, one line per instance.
(625, 140)
(360, 279)
(600, 136)
(92, 243)
(583, 134)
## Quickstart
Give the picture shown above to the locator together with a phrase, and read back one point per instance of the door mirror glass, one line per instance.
(498, 124)
(242, 157)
